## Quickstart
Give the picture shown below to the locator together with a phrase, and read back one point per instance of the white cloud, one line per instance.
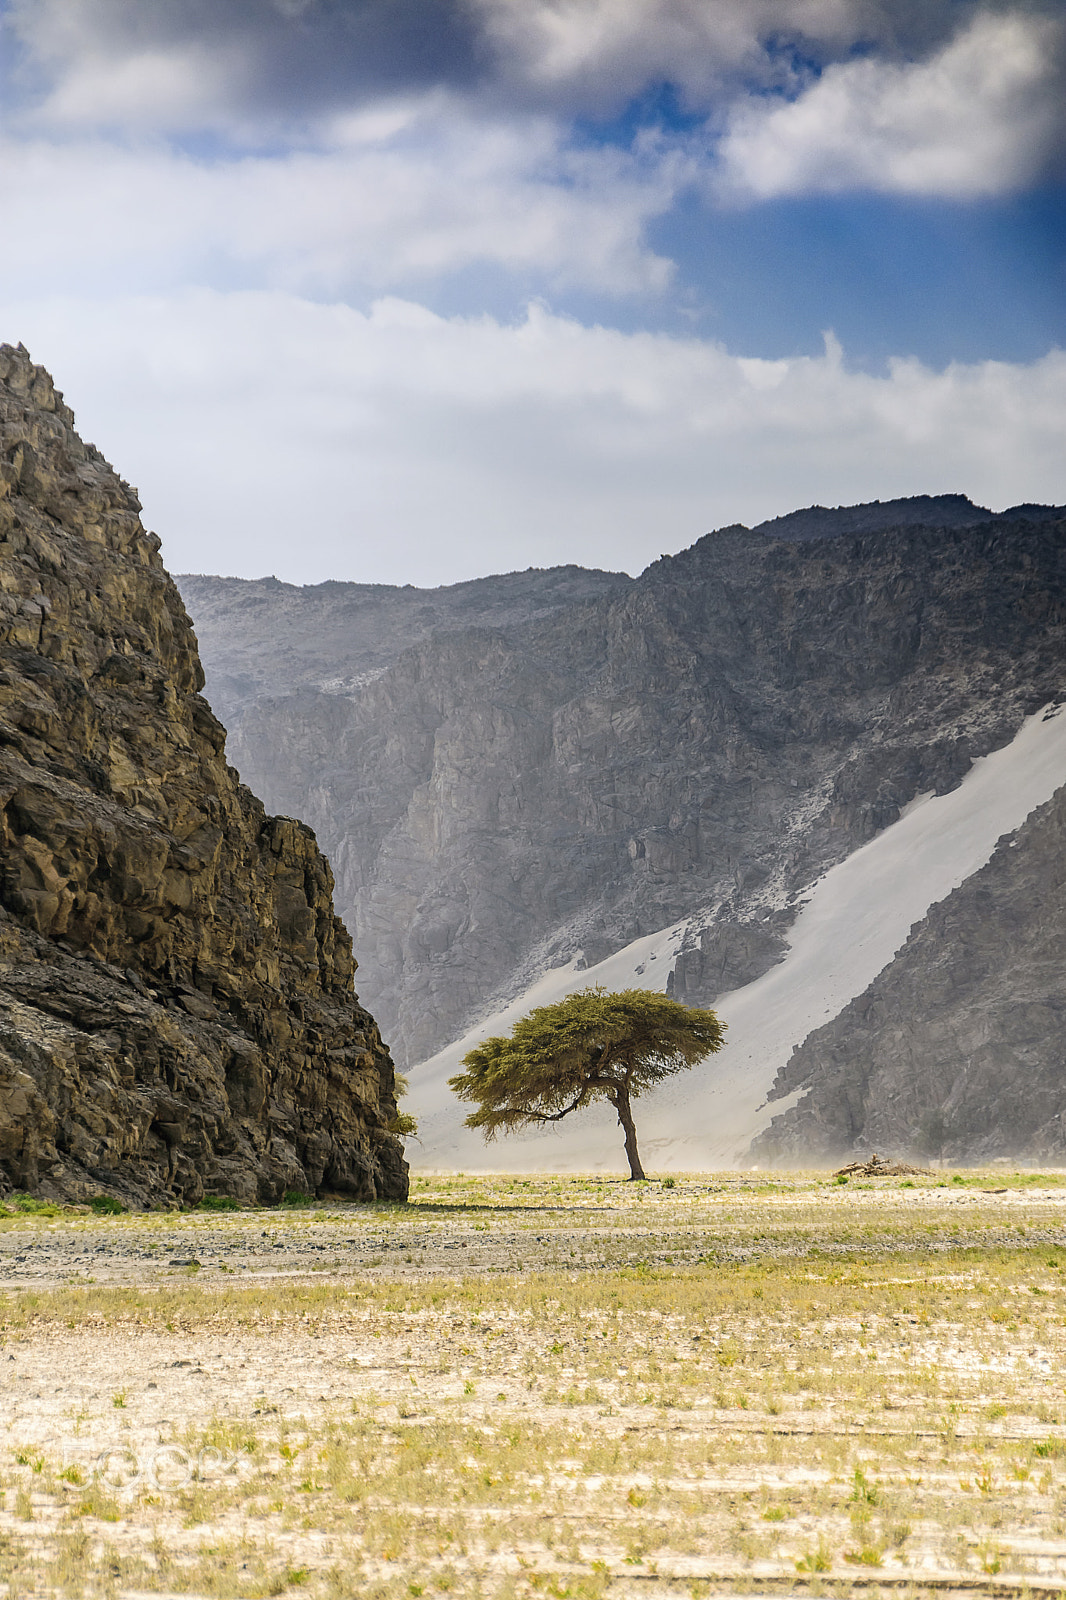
(145, 89)
(269, 434)
(262, 58)
(251, 65)
(246, 68)
(411, 191)
(976, 118)
(605, 51)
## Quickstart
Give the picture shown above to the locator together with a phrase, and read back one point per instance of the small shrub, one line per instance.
(30, 1206)
(869, 1556)
(218, 1202)
(105, 1205)
(668, 1183)
(819, 1560)
(296, 1197)
(863, 1491)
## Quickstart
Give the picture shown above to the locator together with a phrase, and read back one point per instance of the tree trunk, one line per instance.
(625, 1118)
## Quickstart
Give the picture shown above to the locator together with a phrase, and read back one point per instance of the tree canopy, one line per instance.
(592, 1045)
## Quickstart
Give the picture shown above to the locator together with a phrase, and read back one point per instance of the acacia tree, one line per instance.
(593, 1045)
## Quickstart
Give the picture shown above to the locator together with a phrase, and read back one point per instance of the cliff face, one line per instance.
(177, 1012)
(335, 638)
(700, 742)
(958, 1049)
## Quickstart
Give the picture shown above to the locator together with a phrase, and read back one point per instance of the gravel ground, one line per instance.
(454, 1226)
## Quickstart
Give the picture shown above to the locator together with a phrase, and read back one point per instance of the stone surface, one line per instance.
(700, 742)
(958, 1049)
(177, 1011)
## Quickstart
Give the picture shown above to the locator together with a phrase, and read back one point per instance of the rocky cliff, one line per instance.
(334, 638)
(701, 742)
(958, 1049)
(177, 1012)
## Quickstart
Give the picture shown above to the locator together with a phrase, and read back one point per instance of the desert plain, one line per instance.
(743, 1383)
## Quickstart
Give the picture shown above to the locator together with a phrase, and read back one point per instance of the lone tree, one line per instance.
(589, 1046)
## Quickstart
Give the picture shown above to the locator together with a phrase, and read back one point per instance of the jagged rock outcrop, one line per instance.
(726, 956)
(177, 1012)
(958, 1049)
(701, 742)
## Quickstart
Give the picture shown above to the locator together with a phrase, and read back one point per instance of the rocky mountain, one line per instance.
(917, 511)
(700, 743)
(337, 637)
(958, 1048)
(177, 1012)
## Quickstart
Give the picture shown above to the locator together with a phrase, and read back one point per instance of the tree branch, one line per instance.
(590, 1083)
(555, 1116)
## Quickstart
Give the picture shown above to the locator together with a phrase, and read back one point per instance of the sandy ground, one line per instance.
(560, 1386)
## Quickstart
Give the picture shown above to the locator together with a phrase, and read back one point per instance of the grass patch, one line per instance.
(725, 1384)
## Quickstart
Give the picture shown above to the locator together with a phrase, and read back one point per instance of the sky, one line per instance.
(410, 291)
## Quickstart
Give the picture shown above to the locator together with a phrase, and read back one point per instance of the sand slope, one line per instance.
(857, 917)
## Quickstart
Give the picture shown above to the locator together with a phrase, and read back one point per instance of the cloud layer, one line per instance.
(270, 434)
(413, 191)
(242, 65)
(980, 117)
(940, 98)
(235, 231)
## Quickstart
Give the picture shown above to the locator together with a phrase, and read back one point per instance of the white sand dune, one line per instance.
(857, 917)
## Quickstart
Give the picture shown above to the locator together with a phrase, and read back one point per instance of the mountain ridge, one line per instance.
(703, 740)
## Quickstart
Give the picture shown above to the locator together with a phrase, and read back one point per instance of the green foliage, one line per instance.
(404, 1125)
(863, 1491)
(105, 1205)
(818, 1560)
(592, 1045)
(218, 1202)
(29, 1205)
(581, 1049)
(294, 1198)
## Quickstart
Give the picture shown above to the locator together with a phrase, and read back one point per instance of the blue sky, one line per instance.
(411, 290)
